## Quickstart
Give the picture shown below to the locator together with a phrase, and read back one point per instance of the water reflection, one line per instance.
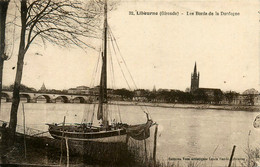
(192, 136)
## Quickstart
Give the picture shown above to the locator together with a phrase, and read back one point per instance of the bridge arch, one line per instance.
(79, 99)
(27, 96)
(6, 96)
(64, 99)
(47, 98)
(92, 99)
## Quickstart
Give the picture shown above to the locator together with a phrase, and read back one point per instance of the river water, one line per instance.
(182, 133)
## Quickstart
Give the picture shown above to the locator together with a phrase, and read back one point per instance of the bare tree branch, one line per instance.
(63, 23)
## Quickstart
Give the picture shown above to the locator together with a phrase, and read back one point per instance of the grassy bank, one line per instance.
(40, 154)
(43, 151)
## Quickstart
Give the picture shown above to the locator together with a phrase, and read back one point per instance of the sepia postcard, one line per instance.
(161, 83)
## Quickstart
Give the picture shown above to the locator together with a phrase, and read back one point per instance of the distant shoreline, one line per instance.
(192, 106)
(183, 106)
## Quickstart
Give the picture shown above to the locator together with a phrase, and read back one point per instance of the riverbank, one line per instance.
(192, 106)
(255, 108)
(43, 151)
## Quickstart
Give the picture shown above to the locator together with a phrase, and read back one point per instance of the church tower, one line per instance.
(195, 77)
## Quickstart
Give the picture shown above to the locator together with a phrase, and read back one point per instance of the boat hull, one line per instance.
(109, 139)
(109, 136)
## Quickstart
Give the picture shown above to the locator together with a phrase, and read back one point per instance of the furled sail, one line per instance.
(101, 94)
(100, 112)
(103, 78)
(140, 132)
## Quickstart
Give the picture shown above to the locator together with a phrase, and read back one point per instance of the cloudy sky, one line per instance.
(160, 51)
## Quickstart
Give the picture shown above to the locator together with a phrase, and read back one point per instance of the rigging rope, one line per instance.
(113, 78)
(92, 81)
(114, 82)
(119, 62)
(145, 110)
(85, 118)
(119, 113)
(93, 114)
(114, 39)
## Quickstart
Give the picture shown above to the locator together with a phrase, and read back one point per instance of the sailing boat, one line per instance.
(106, 132)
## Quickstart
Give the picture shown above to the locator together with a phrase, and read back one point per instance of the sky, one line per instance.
(159, 51)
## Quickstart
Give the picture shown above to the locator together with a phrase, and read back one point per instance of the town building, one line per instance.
(43, 88)
(79, 90)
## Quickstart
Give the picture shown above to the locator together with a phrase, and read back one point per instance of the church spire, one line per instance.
(195, 79)
(154, 88)
(195, 68)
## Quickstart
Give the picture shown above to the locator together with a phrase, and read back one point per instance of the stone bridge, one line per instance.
(33, 97)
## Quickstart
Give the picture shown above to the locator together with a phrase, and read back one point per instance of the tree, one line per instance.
(184, 97)
(3, 12)
(187, 89)
(63, 23)
(250, 99)
(230, 96)
(151, 96)
(23, 88)
(124, 93)
(218, 96)
(200, 96)
(250, 95)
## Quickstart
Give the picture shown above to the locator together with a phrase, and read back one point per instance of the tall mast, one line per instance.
(103, 79)
(105, 52)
